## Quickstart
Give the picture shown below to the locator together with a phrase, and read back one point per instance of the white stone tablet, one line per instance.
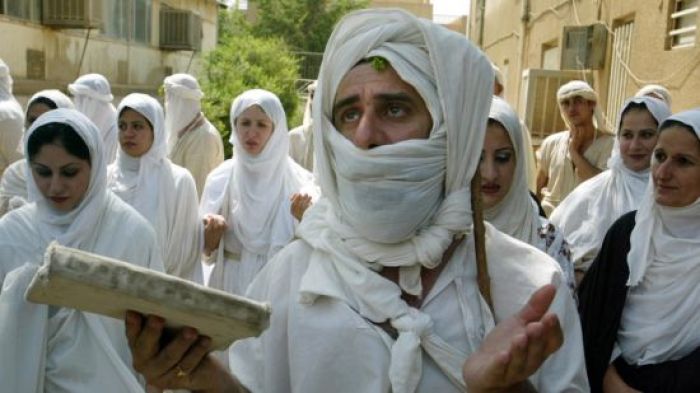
(89, 282)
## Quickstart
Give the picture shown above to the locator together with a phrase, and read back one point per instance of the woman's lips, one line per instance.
(490, 188)
(58, 200)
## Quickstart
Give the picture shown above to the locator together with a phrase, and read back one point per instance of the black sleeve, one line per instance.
(602, 296)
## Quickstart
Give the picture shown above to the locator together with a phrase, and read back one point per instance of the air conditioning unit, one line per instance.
(180, 30)
(539, 100)
(72, 14)
(583, 47)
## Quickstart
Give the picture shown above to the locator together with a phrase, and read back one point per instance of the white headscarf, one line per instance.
(73, 227)
(5, 82)
(517, 213)
(260, 185)
(182, 104)
(400, 204)
(657, 91)
(56, 96)
(586, 214)
(581, 89)
(137, 180)
(660, 321)
(92, 95)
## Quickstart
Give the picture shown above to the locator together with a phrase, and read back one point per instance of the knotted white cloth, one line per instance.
(402, 204)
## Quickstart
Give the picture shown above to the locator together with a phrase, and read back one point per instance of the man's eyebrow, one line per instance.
(345, 102)
(385, 97)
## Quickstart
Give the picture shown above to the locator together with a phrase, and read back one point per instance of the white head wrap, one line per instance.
(660, 321)
(400, 204)
(586, 214)
(182, 105)
(93, 97)
(517, 213)
(581, 89)
(260, 185)
(73, 227)
(137, 180)
(56, 96)
(656, 91)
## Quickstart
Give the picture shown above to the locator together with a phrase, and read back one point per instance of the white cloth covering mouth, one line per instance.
(93, 97)
(586, 214)
(182, 105)
(660, 320)
(434, 172)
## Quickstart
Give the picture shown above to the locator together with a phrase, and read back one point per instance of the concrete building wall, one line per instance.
(517, 34)
(129, 65)
(420, 8)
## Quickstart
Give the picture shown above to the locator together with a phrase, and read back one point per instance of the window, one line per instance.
(127, 19)
(683, 23)
(551, 57)
(26, 9)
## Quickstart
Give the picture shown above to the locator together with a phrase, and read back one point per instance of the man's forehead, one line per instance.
(364, 77)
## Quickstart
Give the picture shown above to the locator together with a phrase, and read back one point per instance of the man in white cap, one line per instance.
(11, 121)
(193, 142)
(380, 291)
(570, 157)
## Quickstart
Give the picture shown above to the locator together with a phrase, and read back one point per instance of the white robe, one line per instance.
(199, 150)
(13, 187)
(327, 346)
(50, 349)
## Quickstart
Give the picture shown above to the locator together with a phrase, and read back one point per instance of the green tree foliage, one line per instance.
(304, 24)
(244, 62)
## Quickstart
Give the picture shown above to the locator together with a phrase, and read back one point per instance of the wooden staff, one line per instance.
(482, 271)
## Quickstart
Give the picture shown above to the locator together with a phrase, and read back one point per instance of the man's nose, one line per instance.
(366, 134)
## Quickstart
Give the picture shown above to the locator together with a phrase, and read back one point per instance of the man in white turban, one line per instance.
(570, 157)
(193, 142)
(301, 146)
(11, 121)
(380, 293)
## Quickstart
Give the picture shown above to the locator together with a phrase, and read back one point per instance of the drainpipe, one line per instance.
(524, 20)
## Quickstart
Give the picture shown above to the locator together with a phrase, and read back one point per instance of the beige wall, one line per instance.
(129, 66)
(420, 8)
(507, 39)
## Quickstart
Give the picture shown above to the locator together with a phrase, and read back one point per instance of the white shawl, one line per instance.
(400, 204)
(660, 320)
(11, 120)
(93, 96)
(252, 192)
(517, 213)
(164, 193)
(50, 349)
(586, 214)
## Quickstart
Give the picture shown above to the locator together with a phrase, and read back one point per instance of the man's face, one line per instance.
(578, 110)
(374, 108)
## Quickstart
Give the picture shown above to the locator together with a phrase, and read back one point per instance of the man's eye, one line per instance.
(350, 115)
(396, 110)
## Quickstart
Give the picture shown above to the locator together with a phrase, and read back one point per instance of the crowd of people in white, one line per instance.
(358, 228)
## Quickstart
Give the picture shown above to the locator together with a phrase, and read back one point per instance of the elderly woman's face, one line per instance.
(374, 108)
(637, 138)
(254, 128)
(676, 167)
(61, 177)
(497, 166)
(135, 133)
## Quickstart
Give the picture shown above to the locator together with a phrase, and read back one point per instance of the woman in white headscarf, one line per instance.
(656, 91)
(11, 121)
(92, 96)
(508, 205)
(586, 214)
(13, 185)
(251, 192)
(161, 191)
(639, 300)
(55, 349)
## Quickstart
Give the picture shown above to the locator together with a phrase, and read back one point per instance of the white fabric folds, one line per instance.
(164, 193)
(252, 193)
(11, 121)
(50, 349)
(414, 221)
(182, 105)
(92, 95)
(586, 214)
(660, 321)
